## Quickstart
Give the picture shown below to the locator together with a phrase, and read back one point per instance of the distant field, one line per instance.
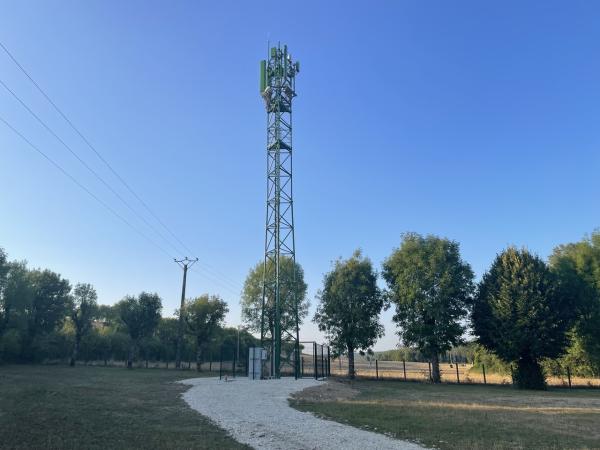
(452, 416)
(420, 371)
(57, 407)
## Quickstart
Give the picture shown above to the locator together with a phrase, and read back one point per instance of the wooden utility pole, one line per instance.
(184, 263)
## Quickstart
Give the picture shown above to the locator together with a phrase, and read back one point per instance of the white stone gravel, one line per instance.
(257, 413)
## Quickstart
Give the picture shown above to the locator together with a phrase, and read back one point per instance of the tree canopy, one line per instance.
(432, 288)
(522, 314)
(253, 292)
(349, 308)
(140, 316)
(204, 316)
(578, 268)
(84, 307)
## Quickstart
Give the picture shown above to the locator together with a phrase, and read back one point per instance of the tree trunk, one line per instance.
(199, 358)
(529, 374)
(351, 372)
(130, 356)
(435, 368)
(75, 350)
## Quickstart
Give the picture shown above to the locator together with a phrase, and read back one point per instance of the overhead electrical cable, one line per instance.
(83, 187)
(231, 290)
(87, 166)
(96, 152)
(206, 268)
(102, 202)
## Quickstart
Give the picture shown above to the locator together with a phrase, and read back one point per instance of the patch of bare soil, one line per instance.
(331, 390)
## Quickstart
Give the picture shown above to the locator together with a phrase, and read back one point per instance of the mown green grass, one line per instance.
(469, 416)
(53, 407)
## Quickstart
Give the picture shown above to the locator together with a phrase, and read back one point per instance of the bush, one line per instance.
(11, 346)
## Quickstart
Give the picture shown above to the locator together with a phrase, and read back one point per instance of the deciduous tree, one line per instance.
(203, 317)
(350, 303)
(48, 308)
(140, 316)
(578, 268)
(252, 297)
(84, 307)
(432, 288)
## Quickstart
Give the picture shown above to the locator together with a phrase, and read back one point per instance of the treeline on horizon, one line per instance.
(525, 312)
(44, 318)
(527, 316)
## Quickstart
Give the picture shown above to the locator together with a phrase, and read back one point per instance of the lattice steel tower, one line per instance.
(279, 329)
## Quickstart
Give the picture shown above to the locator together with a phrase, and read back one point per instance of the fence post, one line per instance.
(221, 364)
(247, 366)
(376, 370)
(210, 364)
(430, 377)
(324, 374)
(234, 362)
(512, 375)
(484, 379)
(457, 378)
(404, 368)
(569, 376)
(302, 366)
(328, 362)
(315, 360)
(296, 362)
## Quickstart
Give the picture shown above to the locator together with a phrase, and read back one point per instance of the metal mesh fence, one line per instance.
(315, 360)
(450, 373)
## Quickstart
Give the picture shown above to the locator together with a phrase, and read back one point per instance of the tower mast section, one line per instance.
(279, 328)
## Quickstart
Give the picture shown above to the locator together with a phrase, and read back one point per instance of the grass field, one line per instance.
(467, 416)
(56, 407)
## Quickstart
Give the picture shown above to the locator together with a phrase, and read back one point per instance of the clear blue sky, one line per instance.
(478, 121)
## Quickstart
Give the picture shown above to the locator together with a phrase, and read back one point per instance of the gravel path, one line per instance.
(257, 413)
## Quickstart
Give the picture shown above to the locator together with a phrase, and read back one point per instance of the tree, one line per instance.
(578, 268)
(432, 288)
(203, 317)
(252, 296)
(522, 314)
(140, 316)
(16, 297)
(108, 315)
(84, 307)
(168, 335)
(350, 303)
(4, 267)
(48, 308)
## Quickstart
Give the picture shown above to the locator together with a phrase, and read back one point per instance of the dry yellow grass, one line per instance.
(420, 372)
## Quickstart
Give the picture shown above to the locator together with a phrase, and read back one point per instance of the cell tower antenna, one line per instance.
(279, 330)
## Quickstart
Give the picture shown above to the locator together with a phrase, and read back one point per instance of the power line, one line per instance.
(231, 290)
(216, 273)
(102, 202)
(80, 185)
(87, 166)
(109, 166)
(89, 144)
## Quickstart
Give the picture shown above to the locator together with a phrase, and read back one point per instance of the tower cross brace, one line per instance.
(279, 314)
